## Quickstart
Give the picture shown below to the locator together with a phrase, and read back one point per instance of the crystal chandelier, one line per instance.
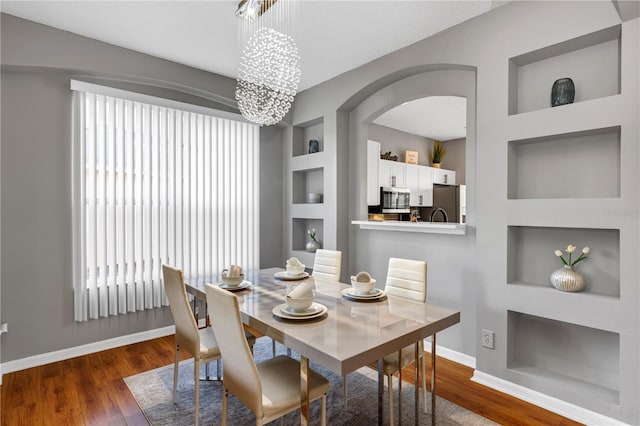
(269, 70)
(268, 77)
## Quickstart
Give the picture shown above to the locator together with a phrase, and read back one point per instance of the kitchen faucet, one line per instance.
(441, 210)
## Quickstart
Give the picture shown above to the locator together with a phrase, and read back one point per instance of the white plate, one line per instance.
(314, 311)
(376, 293)
(287, 276)
(242, 286)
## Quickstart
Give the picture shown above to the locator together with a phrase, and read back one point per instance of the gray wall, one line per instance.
(470, 273)
(37, 290)
(398, 142)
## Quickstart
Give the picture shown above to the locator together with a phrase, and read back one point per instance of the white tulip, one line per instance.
(558, 253)
(586, 250)
(571, 248)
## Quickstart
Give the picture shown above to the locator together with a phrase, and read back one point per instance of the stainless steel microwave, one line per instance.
(395, 200)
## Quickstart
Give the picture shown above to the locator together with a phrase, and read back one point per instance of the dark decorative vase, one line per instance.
(314, 146)
(562, 92)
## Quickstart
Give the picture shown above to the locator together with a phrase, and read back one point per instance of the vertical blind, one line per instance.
(153, 185)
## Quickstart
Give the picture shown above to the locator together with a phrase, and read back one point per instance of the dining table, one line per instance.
(350, 332)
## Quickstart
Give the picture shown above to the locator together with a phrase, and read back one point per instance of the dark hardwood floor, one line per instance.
(90, 390)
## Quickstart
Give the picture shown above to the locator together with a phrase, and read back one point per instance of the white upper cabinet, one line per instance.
(444, 177)
(373, 164)
(419, 180)
(392, 173)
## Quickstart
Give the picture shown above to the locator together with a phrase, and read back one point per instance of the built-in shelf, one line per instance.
(601, 270)
(572, 362)
(423, 227)
(592, 61)
(549, 302)
(305, 182)
(582, 164)
(299, 235)
(305, 132)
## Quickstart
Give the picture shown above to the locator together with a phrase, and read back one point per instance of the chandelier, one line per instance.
(268, 77)
(269, 73)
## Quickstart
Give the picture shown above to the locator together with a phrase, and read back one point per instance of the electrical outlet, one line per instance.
(487, 339)
(4, 327)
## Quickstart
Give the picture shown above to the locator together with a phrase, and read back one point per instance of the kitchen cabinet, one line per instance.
(373, 179)
(392, 173)
(419, 180)
(444, 177)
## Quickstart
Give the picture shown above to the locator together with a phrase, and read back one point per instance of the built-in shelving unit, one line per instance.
(565, 175)
(601, 271)
(569, 361)
(305, 182)
(538, 166)
(303, 133)
(307, 174)
(592, 61)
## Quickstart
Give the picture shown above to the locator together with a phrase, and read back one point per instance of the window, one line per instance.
(156, 181)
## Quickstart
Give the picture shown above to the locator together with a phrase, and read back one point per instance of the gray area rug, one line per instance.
(153, 392)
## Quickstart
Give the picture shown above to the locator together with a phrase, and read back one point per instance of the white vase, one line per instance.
(312, 246)
(566, 279)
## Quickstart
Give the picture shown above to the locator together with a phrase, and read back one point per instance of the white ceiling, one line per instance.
(332, 36)
(436, 117)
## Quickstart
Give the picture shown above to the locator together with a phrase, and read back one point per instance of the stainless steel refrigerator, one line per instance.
(446, 203)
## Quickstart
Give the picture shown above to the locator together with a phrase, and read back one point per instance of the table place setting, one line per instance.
(299, 304)
(233, 279)
(363, 289)
(294, 271)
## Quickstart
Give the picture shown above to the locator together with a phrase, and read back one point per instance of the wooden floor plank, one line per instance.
(90, 390)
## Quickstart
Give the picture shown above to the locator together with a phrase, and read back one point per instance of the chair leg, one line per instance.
(273, 347)
(225, 396)
(345, 386)
(424, 377)
(390, 389)
(175, 373)
(323, 410)
(400, 396)
(196, 380)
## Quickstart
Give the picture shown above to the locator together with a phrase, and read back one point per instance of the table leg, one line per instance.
(380, 392)
(416, 382)
(304, 390)
(399, 389)
(433, 379)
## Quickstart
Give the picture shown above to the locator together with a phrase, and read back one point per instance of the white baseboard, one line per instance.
(563, 408)
(451, 355)
(42, 359)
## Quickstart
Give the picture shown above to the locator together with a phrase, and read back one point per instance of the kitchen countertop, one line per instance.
(405, 226)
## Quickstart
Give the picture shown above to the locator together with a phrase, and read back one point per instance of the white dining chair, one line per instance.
(270, 389)
(327, 265)
(406, 279)
(200, 343)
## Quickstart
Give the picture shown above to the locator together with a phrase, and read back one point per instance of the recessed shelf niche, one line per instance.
(568, 361)
(305, 182)
(592, 61)
(582, 164)
(305, 132)
(299, 236)
(531, 258)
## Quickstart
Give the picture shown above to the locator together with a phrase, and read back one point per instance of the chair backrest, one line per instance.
(327, 265)
(187, 335)
(407, 279)
(240, 372)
